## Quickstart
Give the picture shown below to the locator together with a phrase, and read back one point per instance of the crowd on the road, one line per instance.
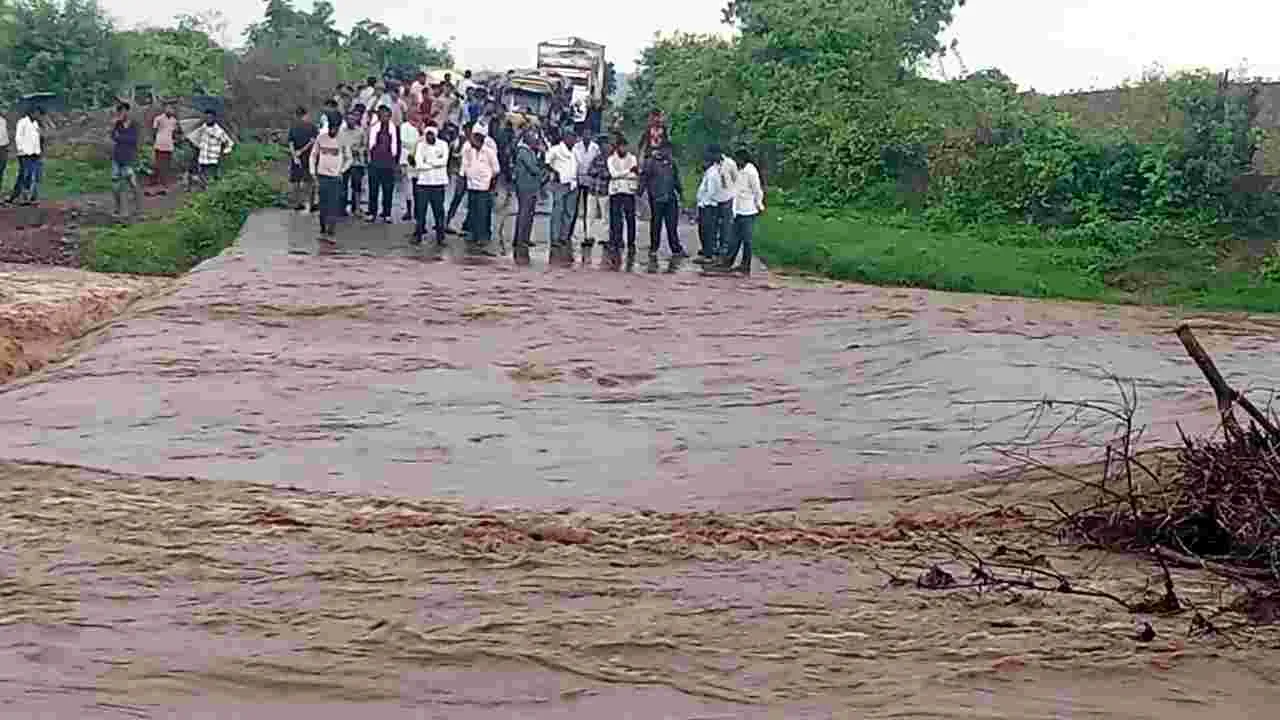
(434, 144)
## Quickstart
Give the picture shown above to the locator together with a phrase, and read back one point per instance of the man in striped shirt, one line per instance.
(212, 142)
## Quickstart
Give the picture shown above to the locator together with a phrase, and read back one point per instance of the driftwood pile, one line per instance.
(1216, 506)
(1212, 504)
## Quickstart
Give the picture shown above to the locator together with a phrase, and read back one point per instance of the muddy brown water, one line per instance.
(417, 378)
(346, 455)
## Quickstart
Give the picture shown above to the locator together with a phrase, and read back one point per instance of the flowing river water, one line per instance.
(392, 482)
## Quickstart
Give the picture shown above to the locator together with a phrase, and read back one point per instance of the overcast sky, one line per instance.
(1049, 45)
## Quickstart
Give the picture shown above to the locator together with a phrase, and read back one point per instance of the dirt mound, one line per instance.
(42, 309)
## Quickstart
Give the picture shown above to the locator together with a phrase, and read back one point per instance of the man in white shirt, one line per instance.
(481, 168)
(4, 147)
(588, 204)
(368, 94)
(724, 199)
(409, 136)
(431, 160)
(465, 85)
(748, 203)
(416, 88)
(564, 196)
(27, 146)
(624, 183)
(709, 220)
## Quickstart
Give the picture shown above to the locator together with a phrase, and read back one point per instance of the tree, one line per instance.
(368, 48)
(176, 61)
(818, 87)
(371, 44)
(67, 47)
(913, 26)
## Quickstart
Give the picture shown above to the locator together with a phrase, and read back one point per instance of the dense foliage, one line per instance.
(67, 47)
(299, 36)
(72, 48)
(827, 93)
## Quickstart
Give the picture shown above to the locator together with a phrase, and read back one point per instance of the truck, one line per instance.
(581, 63)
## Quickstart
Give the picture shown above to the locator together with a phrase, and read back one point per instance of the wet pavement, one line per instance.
(387, 369)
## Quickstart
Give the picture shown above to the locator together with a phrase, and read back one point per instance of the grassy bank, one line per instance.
(206, 224)
(903, 250)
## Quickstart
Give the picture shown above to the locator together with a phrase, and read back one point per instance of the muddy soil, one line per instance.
(43, 309)
(50, 233)
(392, 482)
(128, 597)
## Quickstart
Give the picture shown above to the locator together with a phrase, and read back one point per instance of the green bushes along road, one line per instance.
(205, 225)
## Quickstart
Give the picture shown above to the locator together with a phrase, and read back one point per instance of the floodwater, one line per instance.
(393, 483)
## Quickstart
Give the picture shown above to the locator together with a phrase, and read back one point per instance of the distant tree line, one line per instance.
(74, 49)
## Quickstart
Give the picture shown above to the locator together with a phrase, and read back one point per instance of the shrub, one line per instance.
(205, 226)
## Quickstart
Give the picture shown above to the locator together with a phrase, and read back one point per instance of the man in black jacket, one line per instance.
(661, 180)
(529, 175)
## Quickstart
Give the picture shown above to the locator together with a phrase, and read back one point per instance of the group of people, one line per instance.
(436, 144)
(209, 142)
(26, 144)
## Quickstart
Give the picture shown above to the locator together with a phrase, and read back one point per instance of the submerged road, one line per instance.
(389, 370)
(414, 486)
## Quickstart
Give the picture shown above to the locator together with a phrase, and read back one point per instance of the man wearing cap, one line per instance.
(431, 160)
(480, 167)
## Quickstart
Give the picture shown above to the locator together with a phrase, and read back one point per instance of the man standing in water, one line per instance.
(585, 153)
(431, 159)
(564, 196)
(661, 180)
(384, 158)
(528, 177)
(481, 168)
(124, 153)
(624, 183)
(410, 134)
(330, 158)
(356, 138)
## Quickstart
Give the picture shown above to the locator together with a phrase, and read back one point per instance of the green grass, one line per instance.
(901, 251)
(66, 177)
(148, 248)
